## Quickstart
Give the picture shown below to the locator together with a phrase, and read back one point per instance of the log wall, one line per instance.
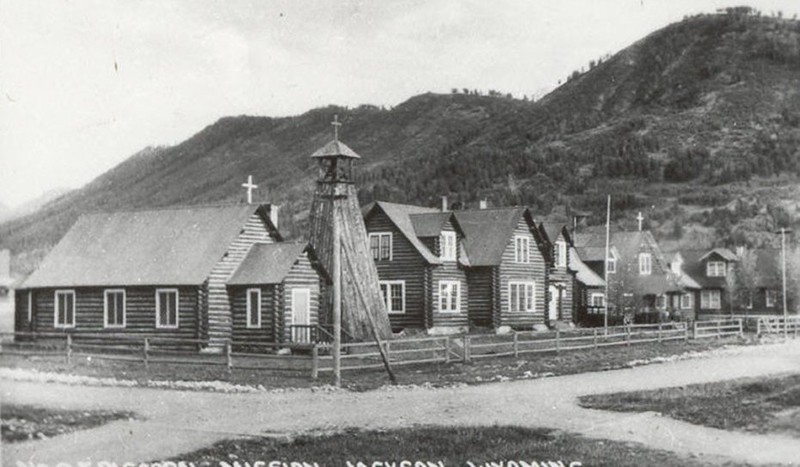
(510, 271)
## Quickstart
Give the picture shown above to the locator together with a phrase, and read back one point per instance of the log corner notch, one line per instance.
(335, 201)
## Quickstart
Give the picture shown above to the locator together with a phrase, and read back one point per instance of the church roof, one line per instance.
(176, 246)
(335, 148)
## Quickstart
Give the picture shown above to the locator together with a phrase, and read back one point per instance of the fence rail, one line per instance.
(778, 325)
(315, 358)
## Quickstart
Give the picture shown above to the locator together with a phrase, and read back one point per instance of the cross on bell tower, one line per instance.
(250, 186)
(640, 218)
(335, 159)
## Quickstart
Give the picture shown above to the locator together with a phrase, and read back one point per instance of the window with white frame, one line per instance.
(597, 300)
(166, 308)
(561, 253)
(380, 245)
(448, 245)
(522, 246)
(449, 296)
(114, 308)
(771, 297)
(687, 301)
(645, 264)
(253, 308)
(522, 296)
(710, 300)
(394, 295)
(716, 269)
(611, 265)
(64, 309)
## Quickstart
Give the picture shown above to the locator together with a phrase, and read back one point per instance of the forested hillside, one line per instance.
(696, 125)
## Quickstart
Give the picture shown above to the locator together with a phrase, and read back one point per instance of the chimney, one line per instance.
(482, 204)
(444, 203)
(274, 209)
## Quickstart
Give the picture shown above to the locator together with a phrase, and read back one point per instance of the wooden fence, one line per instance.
(777, 324)
(316, 359)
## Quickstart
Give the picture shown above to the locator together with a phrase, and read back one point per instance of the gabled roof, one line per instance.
(584, 273)
(429, 224)
(400, 215)
(553, 229)
(176, 246)
(695, 266)
(267, 263)
(488, 231)
(725, 253)
(335, 149)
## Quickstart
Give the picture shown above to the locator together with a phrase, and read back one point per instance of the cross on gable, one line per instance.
(250, 187)
(640, 218)
(336, 124)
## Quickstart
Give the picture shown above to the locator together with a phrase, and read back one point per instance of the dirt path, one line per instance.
(175, 422)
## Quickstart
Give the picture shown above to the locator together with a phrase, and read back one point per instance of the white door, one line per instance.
(301, 315)
(552, 309)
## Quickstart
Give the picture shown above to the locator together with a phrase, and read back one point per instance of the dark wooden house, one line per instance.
(275, 295)
(149, 273)
(558, 247)
(420, 260)
(707, 276)
(588, 292)
(506, 269)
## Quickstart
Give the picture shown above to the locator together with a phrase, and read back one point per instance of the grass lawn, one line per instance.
(450, 446)
(762, 405)
(480, 371)
(23, 422)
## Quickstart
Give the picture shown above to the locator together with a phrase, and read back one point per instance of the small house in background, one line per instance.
(6, 293)
(420, 260)
(687, 303)
(275, 295)
(712, 273)
(506, 269)
(166, 273)
(766, 286)
(558, 247)
(589, 292)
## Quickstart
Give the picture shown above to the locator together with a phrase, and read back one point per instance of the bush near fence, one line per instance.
(316, 359)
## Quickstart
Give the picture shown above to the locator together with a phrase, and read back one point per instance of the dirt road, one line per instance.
(175, 422)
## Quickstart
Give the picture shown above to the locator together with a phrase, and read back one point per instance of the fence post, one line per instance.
(741, 328)
(694, 330)
(628, 335)
(686, 333)
(659, 332)
(387, 349)
(594, 338)
(146, 348)
(314, 361)
(447, 349)
(516, 345)
(228, 356)
(69, 349)
(719, 329)
(467, 356)
(558, 341)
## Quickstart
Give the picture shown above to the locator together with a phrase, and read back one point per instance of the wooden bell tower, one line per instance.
(335, 220)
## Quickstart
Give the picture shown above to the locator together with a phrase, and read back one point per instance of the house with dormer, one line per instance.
(558, 250)
(707, 276)
(419, 254)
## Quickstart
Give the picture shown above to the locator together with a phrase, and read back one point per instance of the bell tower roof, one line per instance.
(335, 148)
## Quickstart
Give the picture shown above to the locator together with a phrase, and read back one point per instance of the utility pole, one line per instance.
(605, 265)
(783, 233)
(337, 298)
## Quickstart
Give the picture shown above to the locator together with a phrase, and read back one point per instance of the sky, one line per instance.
(85, 84)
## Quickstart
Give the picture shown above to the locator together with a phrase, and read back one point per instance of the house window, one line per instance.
(114, 308)
(715, 269)
(448, 246)
(253, 308)
(771, 297)
(449, 296)
(710, 300)
(687, 301)
(611, 265)
(521, 296)
(166, 308)
(561, 254)
(522, 249)
(394, 296)
(645, 264)
(661, 302)
(380, 245)
(597, 300)
(65, 309)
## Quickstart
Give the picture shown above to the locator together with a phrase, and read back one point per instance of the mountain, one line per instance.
(697, 125)
(5, 211)
(33, 205)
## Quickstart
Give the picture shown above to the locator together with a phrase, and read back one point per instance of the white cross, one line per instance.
(640, 218)
(336, 124)
(250, 187)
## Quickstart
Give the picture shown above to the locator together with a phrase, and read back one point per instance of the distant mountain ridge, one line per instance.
(675, 125)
